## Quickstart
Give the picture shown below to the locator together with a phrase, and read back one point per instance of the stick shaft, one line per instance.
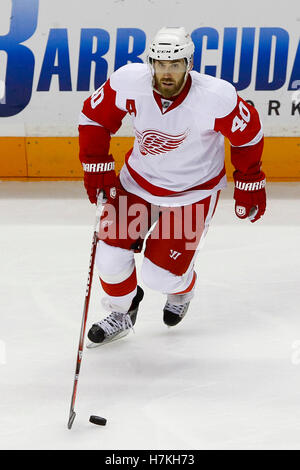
(83, 326)
(72, 413)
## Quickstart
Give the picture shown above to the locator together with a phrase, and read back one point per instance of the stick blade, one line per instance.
(71, 419)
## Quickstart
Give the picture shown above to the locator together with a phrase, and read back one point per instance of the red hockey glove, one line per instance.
(99, 175)
(249, 195)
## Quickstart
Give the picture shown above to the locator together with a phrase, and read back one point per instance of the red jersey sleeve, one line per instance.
(93, 143)
(101, 117)
(101, 108)
(243, 129)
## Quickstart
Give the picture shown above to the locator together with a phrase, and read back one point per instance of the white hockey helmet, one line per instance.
(171, 44)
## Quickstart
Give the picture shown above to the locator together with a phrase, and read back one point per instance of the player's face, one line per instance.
(169, 76)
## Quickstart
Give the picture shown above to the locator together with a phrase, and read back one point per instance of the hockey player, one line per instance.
(180, 118)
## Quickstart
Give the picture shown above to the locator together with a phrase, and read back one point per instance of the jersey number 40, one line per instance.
(240, 123)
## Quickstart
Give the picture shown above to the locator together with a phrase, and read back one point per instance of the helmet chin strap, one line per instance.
(189, 67)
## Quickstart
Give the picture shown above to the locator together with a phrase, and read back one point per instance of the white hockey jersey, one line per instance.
(178, 153)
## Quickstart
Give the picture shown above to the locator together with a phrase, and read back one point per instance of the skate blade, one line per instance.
(92, 345)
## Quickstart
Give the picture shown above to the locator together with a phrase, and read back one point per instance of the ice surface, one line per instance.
(227, 377)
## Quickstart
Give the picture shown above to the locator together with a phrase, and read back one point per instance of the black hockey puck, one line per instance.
(97, 420)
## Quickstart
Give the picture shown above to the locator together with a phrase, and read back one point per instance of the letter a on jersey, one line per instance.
(130, 106)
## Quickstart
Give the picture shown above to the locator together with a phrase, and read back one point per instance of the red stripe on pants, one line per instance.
(121, 288)
(190, 287)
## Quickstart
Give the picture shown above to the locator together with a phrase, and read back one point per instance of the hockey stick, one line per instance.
(85, 310)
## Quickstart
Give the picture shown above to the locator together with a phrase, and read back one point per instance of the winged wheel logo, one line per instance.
(154, 142)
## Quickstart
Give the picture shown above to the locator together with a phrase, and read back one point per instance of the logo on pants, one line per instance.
(174, 254)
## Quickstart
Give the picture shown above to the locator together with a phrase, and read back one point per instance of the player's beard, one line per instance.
(172, 90)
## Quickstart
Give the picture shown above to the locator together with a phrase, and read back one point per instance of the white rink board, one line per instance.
(54, 112)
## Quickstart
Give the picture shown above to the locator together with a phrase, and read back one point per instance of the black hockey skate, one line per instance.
(174, 313)
(116, 325)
